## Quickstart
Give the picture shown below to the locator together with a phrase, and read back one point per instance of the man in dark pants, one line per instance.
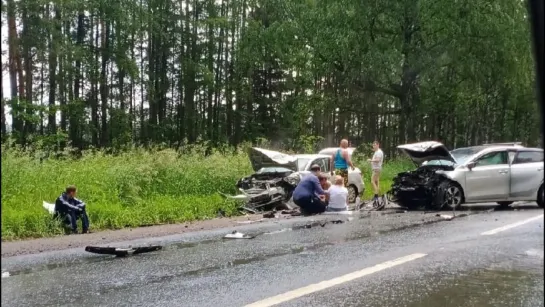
(307, 193)
(69, 209)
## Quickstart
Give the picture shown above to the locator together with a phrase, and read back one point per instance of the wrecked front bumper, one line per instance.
(255, 200)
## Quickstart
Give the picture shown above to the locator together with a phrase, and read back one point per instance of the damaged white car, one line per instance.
(499, 173)
(277, 174)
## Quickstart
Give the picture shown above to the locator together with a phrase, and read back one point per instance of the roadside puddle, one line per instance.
(486, 288)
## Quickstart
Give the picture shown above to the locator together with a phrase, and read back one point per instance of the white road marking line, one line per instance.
(507, 227)
(290, 295)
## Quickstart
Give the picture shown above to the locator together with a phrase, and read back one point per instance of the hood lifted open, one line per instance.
(426, 151)
(260, 158)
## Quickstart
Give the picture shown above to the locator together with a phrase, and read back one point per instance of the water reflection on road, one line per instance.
(517, 283)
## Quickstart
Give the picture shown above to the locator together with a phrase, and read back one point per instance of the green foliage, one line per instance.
(130, 189)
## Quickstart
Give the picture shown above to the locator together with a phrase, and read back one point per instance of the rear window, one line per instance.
(528, 157)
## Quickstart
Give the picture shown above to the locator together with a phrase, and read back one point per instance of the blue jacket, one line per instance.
(64, 204)
(308, 187)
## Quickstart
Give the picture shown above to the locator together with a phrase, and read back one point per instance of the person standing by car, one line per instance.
(69, 209)
(376, 168)
(309, 195)
(341, 161)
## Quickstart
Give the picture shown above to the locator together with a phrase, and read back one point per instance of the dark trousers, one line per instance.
(310, 205)
(71, 218)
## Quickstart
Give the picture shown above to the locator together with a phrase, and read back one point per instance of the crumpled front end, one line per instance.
(418, 189)
(264, 192)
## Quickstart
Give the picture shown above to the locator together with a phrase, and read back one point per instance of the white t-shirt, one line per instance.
(379, 155)
(337, 197)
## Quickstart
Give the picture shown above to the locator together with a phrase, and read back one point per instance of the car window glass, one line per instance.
(528, 157)
(326, 162)
(322, 163)
(493, 158)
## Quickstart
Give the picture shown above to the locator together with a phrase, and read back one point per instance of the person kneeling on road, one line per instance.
(338, 196)
(309, 195)
(69, 209)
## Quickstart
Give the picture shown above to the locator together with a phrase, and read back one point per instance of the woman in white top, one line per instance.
(338, 196)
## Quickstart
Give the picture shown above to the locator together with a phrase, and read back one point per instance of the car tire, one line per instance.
(451, 195)
(504, 204)
(540, 197)
(352, 193)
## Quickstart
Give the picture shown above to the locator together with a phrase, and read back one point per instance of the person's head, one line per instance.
(339, 180)
(315, 168)
(71, 191)
(323, 180)
(376, 145)
(344, 143)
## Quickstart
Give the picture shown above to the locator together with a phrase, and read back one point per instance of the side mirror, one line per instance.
(471, 165)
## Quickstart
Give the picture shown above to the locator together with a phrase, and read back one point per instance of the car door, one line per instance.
(489, 179)
(526, 174)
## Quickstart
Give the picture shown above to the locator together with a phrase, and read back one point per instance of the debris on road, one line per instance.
(445, 216)
(237, 235)
(249, 222)
(270, 215)
(291, 212)
(122, 252)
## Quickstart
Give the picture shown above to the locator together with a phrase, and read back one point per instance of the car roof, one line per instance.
(311, 156)
(489, 148)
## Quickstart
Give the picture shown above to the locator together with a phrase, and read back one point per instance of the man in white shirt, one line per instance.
(376, 168)
(338, 196)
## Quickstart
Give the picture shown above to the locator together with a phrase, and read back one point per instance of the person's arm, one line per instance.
(79, 203)
(346, 157)
(376, 157)
(67, 203)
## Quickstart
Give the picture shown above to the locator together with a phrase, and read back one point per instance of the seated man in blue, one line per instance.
(308, 191)
(69, 208)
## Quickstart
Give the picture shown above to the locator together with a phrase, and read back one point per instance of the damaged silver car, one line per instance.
(501, 173)
(276, 176)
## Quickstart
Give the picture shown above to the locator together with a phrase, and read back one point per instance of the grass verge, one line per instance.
(135, 188)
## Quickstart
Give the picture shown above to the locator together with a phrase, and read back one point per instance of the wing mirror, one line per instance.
(471, 165)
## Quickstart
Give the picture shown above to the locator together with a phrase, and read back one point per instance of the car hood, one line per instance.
(426, 151)
(260, 158)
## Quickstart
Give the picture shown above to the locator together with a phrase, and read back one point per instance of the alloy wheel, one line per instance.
(352, 194)
(453, 196)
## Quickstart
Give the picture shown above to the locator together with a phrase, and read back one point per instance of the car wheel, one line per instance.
(453, 196)
(352, 193)
(504, 204)
(540, 197)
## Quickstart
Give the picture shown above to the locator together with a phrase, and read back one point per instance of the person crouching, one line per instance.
(338, 196)
(69, 209)
(308, 193)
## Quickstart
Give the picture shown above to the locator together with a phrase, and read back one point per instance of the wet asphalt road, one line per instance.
(458, 266)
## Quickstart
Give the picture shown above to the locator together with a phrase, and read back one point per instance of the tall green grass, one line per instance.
(131, 189)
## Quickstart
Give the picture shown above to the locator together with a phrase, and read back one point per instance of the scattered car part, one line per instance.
(270, 215)
(122, 252)
(237, 235)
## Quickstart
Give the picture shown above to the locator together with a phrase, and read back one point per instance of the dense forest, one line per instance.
(119, 73)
